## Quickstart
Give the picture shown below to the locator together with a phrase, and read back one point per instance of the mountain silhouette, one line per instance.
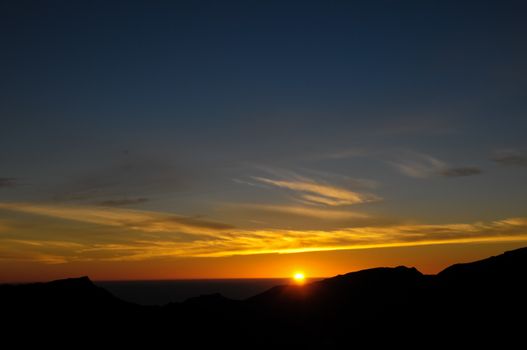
(465, 304)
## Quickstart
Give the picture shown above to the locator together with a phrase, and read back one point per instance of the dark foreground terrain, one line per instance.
(479, 303)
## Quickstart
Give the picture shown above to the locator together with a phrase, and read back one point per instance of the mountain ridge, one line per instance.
(478, 299)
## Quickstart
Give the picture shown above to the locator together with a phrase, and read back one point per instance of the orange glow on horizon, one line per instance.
(427, 259)
(299, 277)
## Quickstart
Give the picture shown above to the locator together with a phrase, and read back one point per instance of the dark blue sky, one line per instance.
(266, 114)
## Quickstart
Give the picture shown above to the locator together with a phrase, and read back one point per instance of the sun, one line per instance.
(299, 277)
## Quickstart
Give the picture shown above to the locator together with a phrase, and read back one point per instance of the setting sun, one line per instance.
(299, 277)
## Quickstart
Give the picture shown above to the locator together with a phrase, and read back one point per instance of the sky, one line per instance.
(206, 139)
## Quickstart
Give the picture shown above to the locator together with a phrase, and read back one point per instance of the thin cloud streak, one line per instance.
(312, 212)
(139, 241)
(461, 171)
(319, 193)
(419, 165)
(510, 157)
(146, 221)
(122, 202)
(342, 154)
(422, 166)
(8, 182)
(293, 241)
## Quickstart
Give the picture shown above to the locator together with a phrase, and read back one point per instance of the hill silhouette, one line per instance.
(465, 304)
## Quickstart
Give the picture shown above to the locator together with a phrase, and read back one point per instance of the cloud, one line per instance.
(122, 202)
(510, 157)
(462, 171)
(320, 193)
(8, 182)
(3, 227)
(141, 235)
(249, 183)
(247, 242)
(290, 241)
(296, 216)
(47, 243)
(419, 165)
(145, 221)
(310, 212)
(345, 180)
(343, 154)
(132, 175)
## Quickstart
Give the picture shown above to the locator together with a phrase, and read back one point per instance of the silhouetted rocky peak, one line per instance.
(83, 282)
(65, 296)
(376, 276)
(377, 280)
(508, 263)
(468, 301)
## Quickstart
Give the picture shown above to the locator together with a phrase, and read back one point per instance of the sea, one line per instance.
(164, 292)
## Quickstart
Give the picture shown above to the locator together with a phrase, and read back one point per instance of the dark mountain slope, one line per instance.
(507, 267)
(348, 289)
(489, 295)
(466, 304)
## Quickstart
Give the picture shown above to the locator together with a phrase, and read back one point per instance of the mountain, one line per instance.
(468, 304)
(344, 290)
(489, 295)
(502, 268)
(79, 293)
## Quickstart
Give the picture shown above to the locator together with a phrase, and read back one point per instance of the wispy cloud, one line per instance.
(122, 202)
(131, 175)
(292, 241)
(512, 157)
(420, 165)
(45, 243)
(3, 227)
(139, 241)
(8, 182)
(133, 245)
(146, 221)
(320, 193)
(461, 171)
(249, 183)
(311, 212)
(342, 154)
(345, 180)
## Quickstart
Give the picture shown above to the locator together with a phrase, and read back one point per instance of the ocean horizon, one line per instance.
(161, 292)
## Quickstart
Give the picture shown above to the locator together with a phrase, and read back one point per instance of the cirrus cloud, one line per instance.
(8, 182)
(122, 202)
(138, 220)
(158, 237)
(511, 157)
(320, 193)
(461, 171)
(421, 166)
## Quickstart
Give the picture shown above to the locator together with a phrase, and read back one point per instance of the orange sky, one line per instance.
(428, 259)
(247, 141)
(43, 241)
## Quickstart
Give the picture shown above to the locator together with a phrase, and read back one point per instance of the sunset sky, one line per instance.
(212, 139)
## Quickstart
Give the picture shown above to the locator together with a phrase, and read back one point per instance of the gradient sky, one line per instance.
(201, 139)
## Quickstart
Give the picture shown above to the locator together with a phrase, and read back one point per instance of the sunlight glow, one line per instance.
(299, 277)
